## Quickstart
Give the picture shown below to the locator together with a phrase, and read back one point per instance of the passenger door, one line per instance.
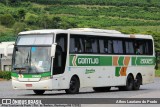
(60, 55)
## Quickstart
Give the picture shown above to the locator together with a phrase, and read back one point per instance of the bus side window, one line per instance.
(144, 47)
(139, 47)
(101, 46)
(91, 45)
(88, 45)
(72, 45)
(118, 46)
(94, 46)
(76, 45)
(129, 47)
(106, 46)
(149, 47)
(110, 46)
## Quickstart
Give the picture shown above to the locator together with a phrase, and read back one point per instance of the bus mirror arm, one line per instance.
(53, 49)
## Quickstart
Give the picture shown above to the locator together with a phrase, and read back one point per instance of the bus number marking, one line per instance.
(146, 61)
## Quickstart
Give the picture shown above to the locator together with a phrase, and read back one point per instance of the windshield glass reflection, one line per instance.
(32, 59)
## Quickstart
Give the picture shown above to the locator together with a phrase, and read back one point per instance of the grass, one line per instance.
(141, 29)
(157, 73)
(4, 29)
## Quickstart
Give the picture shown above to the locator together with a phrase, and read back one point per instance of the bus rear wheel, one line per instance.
(129, 84)
(74, 86)
(101, 89)
(137, 82)
(39, 92)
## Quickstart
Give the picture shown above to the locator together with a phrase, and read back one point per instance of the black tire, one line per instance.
(129, 84)
(74, 86)
(137, 82)
(121, 88)
(101, 89)
(39, 92)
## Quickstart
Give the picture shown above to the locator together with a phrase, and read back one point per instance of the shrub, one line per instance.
(19, 26)
(7, 20)
(5, 75)
(31, 19)
(7, 36)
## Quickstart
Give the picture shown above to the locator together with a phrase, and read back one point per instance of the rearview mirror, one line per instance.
(53, 49)
(6, 49)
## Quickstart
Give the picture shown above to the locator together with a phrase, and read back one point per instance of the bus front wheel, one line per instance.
(39, 92)
(74, 86)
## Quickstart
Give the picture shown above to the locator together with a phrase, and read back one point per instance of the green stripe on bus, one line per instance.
(143, 60)
(133, 60)
(13, 74)
(90, 60)
(108, 61)
(71, 59)
(120, 61)
(117, 73)
(44, 74)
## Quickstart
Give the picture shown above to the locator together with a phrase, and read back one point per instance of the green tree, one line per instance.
(157, 40)
(21, 14)
(44, 21)
(56, 22)
(7, 20)
(149, 1)
(18, 27)
(31, 19)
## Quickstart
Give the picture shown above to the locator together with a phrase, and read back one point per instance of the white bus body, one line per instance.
(82, 57)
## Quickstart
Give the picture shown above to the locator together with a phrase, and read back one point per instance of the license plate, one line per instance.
(28, 85)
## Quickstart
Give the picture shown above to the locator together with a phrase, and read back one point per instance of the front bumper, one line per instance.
(39, 85)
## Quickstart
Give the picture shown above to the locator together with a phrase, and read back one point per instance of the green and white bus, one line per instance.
(57, 59)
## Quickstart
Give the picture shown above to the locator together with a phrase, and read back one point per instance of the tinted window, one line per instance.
(83, 44)
(143, 47)
(76, 45)
(105, 45)
(110, 45)
(129, 47)
(118, 46)
(90, 44)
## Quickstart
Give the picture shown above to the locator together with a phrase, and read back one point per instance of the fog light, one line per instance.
(45, 78)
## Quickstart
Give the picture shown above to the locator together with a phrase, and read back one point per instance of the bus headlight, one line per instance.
(45, 78)
(14, 78)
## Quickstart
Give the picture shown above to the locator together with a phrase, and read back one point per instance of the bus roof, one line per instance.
(42, 31)
(95, 30)
(87, 31)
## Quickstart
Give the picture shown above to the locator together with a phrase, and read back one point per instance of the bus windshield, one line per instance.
(32, 59)
(32, 53)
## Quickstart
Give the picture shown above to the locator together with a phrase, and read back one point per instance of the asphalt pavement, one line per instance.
(146, 91)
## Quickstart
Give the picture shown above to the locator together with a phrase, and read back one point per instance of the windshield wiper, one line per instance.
(20, 69)
(27, 59)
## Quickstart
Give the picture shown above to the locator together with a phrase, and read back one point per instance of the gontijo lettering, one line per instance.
(88, 60)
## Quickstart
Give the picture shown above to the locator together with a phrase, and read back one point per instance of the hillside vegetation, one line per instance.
(127, 16)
